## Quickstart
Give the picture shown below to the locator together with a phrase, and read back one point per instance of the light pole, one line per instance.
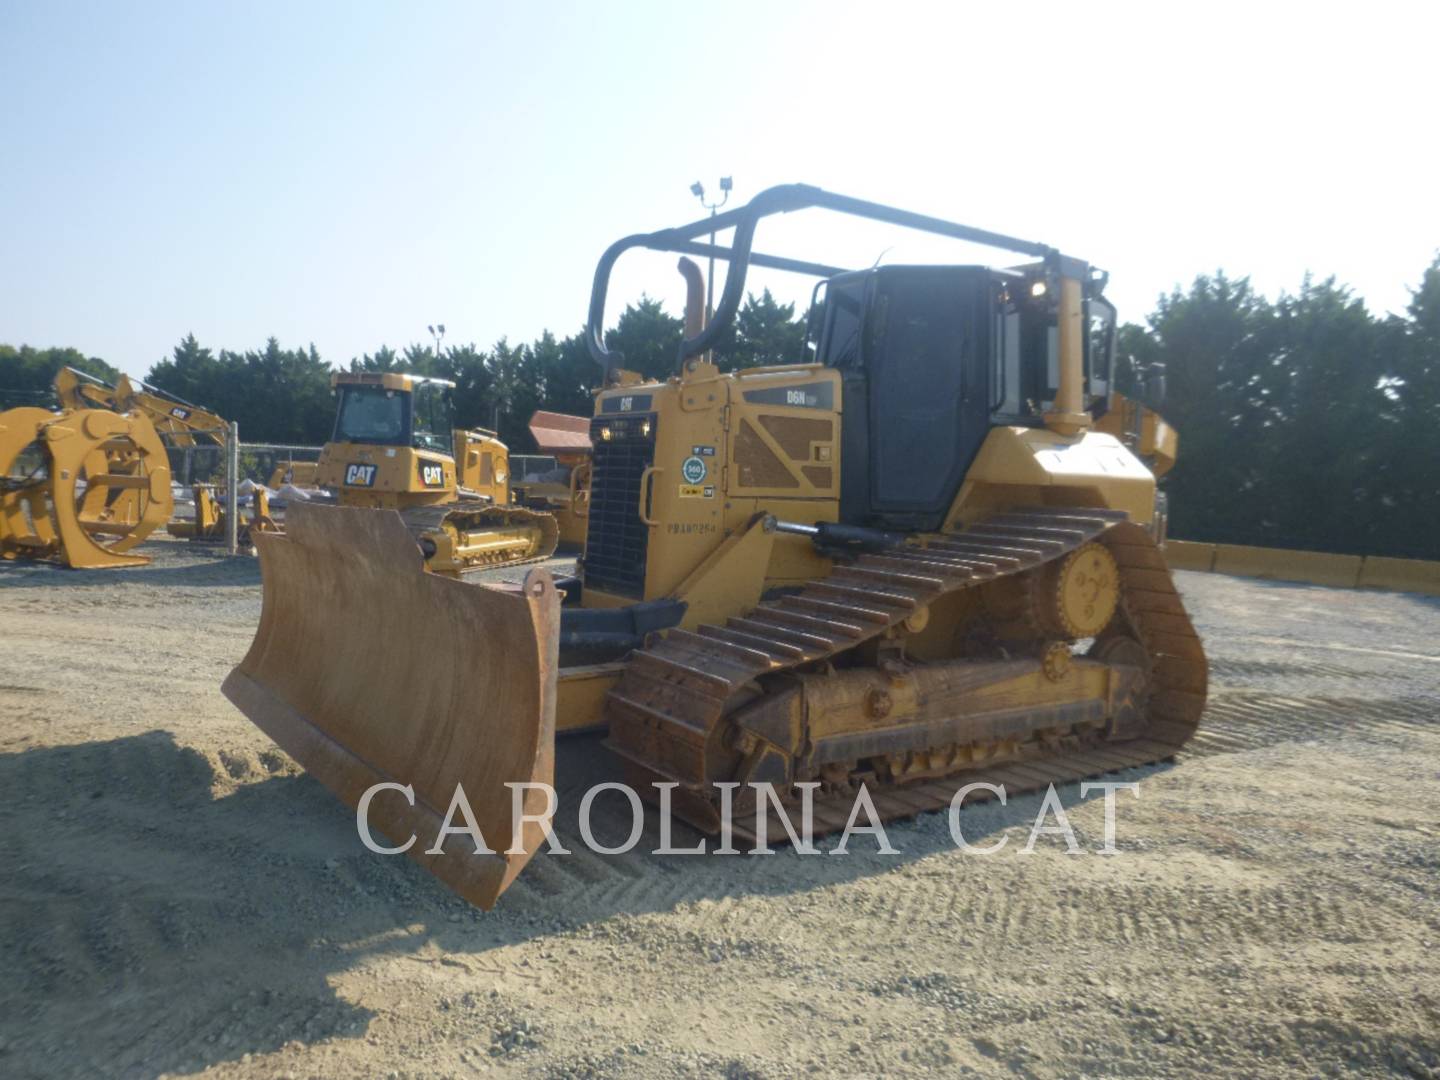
(698, 190)
(438, 333)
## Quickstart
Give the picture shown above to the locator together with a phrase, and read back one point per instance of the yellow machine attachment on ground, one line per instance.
(906, 563)
(81, 486)
(300, 474)
(557, 479)
(395, 448)
(209, 521)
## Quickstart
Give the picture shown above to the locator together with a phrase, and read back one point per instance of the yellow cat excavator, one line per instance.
(906, 562)
(395, 447)
(176, 420)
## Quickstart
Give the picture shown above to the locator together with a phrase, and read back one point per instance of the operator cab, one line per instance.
(931, 358)
(396, 411)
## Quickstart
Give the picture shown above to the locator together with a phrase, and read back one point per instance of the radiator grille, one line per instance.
(616, 540)
(796, 433)
(819, 476)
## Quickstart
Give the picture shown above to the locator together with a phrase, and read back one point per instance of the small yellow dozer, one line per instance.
(395, 447)
(903, 564)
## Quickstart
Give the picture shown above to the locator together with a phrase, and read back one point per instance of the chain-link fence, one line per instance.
(277, 464)
(236, 473)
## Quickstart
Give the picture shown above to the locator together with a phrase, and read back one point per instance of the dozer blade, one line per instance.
(366, 669)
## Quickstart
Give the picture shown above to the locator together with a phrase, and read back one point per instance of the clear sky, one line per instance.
(346, 173)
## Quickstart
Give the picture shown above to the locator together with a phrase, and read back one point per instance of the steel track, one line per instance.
(676, 693)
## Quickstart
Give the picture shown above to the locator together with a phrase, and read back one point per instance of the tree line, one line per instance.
(1305, 422)
(283, 395)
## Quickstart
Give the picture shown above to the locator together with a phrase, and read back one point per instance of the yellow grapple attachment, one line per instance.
(337, 675)
(46, 514)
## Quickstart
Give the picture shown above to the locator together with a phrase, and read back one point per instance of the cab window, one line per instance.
(370, 414)
(1099, 346)
(433, 417)
(843, 319)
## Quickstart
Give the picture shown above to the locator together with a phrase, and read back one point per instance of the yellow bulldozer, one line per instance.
(907, 562)
(395, 447)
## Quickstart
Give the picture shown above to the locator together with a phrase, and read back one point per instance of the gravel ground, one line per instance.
(179, 898)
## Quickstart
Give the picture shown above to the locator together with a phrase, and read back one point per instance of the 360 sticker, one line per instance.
(693, 470)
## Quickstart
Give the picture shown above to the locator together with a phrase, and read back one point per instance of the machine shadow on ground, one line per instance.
(211, 901)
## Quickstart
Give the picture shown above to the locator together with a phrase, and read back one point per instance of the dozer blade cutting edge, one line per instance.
(349, 618)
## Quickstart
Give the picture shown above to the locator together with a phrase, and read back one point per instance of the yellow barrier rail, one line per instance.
(1306, 567)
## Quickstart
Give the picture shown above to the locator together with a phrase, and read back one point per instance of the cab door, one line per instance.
(926, 344)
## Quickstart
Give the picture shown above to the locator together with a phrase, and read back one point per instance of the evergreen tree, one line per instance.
(468, 368)
(27, 374)
(648, 339)
(766, 333)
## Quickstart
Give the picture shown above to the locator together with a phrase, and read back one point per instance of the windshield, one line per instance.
(1099, 346)
(432, 417)
(371, 414)
(843, 315)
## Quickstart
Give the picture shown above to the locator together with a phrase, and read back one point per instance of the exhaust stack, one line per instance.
(694, 304)
(1069, 416)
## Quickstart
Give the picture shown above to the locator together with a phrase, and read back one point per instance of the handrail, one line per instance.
(783, 199)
